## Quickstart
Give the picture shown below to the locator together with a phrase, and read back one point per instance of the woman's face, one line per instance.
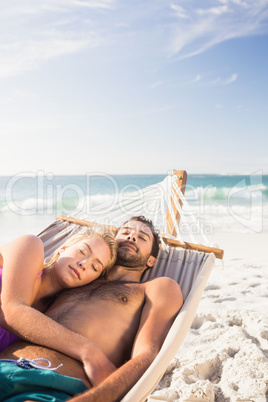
(82, 262)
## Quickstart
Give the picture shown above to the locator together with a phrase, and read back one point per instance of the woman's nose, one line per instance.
(82, 265)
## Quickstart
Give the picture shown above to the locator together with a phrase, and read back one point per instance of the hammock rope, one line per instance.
(153, 202)
(164, 203)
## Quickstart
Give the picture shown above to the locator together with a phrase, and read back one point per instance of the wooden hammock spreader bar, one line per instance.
(81, 222)
(181, 182)
(192, 246)
(171, 242)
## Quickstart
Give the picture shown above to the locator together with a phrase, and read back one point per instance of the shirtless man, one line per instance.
(125, 319)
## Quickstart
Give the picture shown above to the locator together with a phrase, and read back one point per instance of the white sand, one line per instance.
(225, 355)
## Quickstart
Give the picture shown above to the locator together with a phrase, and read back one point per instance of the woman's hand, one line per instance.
(97, 366)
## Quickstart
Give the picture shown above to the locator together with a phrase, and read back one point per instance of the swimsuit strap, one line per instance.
(28, 363)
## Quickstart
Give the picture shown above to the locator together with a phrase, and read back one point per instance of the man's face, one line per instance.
(135, 241)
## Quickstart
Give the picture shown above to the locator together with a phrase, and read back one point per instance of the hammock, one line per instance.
(189, 264)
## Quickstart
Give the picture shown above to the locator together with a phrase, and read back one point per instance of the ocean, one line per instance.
(221, 203)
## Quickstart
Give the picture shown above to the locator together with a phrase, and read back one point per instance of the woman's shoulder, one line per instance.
(27, 243)
(24, 239)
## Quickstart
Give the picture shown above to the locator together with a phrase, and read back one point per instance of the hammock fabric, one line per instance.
(190, 268)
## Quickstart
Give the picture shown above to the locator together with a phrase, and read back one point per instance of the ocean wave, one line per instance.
(210, 217)
(213, 197)
(66, 205)
(225, 193)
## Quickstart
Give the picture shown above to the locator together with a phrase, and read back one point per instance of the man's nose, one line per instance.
(132, 237)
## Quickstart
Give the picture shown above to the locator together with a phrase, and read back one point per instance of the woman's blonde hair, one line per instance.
(98, 231)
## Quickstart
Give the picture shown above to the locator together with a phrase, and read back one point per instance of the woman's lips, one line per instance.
(75, 271)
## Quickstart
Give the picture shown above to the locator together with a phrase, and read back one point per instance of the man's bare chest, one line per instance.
(123, 293)
(100, 298)
(107, 313)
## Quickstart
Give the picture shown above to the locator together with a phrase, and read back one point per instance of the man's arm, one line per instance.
(163, 301)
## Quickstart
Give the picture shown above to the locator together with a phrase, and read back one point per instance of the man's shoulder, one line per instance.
(164, 293)
(163, 286)
(161, 281)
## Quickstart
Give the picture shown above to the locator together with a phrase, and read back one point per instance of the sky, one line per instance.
(133, 87)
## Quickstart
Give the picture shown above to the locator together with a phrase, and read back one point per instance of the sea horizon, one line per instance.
(234, 173)
(221, 203)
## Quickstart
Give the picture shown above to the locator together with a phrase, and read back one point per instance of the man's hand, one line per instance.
(163, 301)
(97, 367)
(116, 385)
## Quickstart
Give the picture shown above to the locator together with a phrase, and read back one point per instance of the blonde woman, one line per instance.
(28, 284)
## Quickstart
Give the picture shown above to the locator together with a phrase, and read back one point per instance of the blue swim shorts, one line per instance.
(18, 384)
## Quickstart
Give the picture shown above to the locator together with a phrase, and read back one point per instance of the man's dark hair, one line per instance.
(149, 223)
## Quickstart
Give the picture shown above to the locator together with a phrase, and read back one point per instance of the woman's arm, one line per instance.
(23, 261)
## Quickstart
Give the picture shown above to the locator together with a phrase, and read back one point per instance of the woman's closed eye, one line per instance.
(95, 268)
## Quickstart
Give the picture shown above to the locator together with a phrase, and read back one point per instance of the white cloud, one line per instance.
(179, 11)
(36, 7)
(225, 81)
(68, 26)
(39, 31)
(197, 78)
(25, 55)
(191, 81)
(209, 81)
(207, 26)
(213, 10)
(231, 79)
(238, 2)
(107, 4)
(156, 84)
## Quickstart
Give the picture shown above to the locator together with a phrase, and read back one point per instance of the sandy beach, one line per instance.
(101, 100)
(225, 355)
